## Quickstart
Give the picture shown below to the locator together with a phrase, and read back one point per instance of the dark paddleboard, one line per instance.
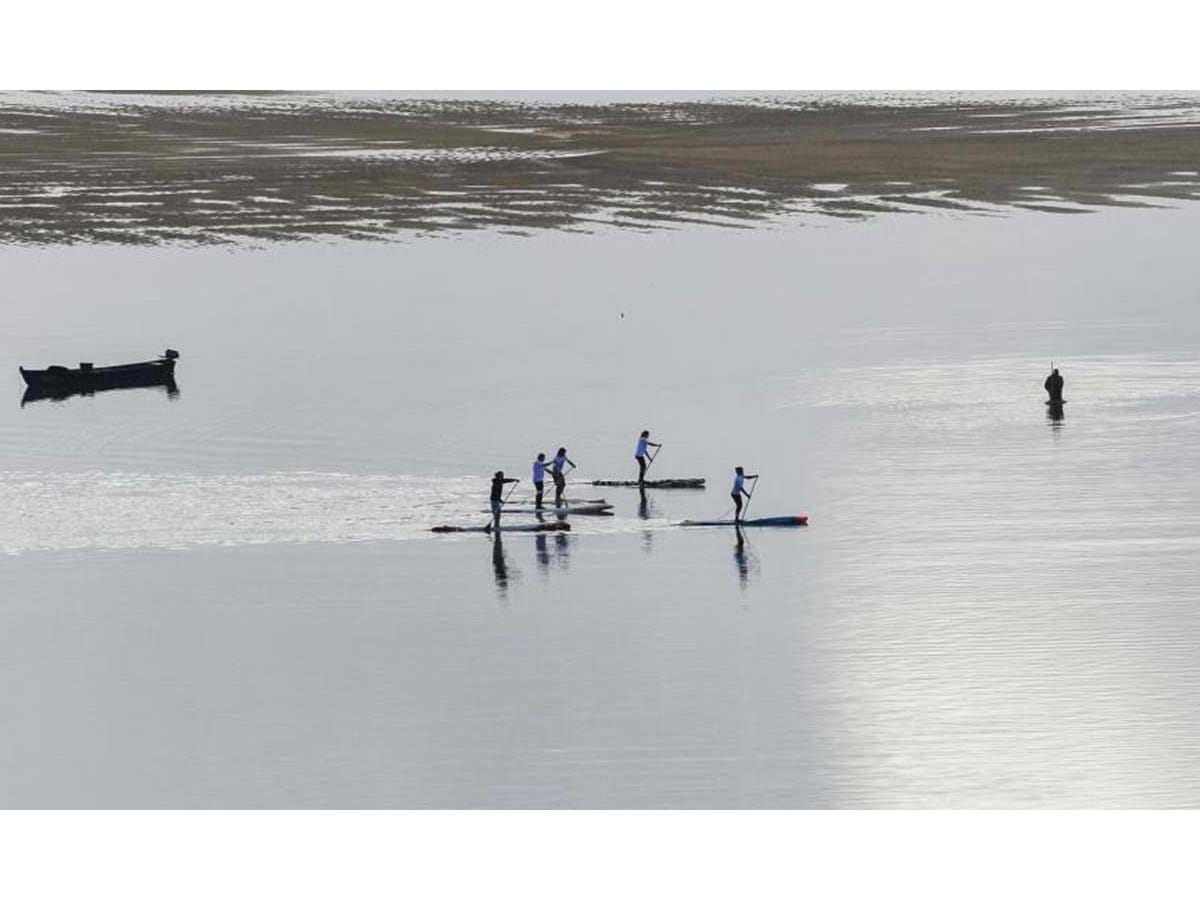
(767, 522)
(532, 526)
(662, 483)
(589, 510)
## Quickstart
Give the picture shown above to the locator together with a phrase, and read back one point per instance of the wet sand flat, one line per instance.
(211, 168)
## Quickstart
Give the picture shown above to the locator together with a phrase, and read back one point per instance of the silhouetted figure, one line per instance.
(1054, 387)
(559, 473)
(739, 491)
(640, 455)
(497, 496)
(1055, 412)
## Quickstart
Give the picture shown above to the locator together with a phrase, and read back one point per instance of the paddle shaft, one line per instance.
(653, 457)
(753, 488)
(505, 499)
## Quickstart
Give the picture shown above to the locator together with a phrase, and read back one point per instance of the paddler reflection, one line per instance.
(562, 551)
(740, 559)
(499, 564)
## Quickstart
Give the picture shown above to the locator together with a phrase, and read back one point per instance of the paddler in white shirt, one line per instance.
(559, 473)
(739, 491)
(539, 479)
(640, 455)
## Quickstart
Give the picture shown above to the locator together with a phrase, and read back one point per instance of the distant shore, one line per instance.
(148, 169)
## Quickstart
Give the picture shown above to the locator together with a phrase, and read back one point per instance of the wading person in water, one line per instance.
(640, 455)
(739, 490)
(1054, 386)
(559, 473)
(498, 483)
(539, 479)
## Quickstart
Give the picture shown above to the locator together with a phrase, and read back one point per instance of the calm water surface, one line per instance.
(231, 598)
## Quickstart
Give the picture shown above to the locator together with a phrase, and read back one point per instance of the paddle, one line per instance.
(653, 457)
(753, 488)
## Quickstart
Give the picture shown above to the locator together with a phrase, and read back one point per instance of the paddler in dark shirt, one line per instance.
(1054, 386)
(559, 473)
(498, 483)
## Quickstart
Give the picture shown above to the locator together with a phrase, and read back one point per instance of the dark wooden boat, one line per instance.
(59, 382)
(60, 379)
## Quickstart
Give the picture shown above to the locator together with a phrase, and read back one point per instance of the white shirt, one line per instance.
(641, 447)
(539, 470)
(738, 483)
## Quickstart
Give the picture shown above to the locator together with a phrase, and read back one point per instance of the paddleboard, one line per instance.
(661, 483)
(532, 526)
(591, 510)
(767, 522)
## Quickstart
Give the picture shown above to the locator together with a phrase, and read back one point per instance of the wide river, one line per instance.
(231, 598)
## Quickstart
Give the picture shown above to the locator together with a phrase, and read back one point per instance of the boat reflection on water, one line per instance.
(62, 392)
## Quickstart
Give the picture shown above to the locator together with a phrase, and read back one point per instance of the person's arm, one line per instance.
(573, 466)
(652, 444)
(511, 480)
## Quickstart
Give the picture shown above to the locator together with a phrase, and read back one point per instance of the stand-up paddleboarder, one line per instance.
(539, 479)
(559, 473)
(739, 491)
(497, 496)
(1054, 387)
(640, 455)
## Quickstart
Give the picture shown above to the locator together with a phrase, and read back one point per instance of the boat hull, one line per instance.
(660, 484)
(60, 378)
(767, 522)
